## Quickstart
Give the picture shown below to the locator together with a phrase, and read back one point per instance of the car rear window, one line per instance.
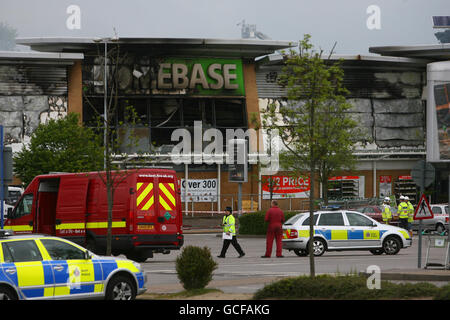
(331, 219)
(294, 219)
(306, 222)
(436, 210)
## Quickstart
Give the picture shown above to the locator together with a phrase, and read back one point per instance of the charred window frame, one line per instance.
(157, 117)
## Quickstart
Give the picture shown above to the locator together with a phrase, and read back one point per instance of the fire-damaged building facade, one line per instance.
(386, 94)
(224, 85)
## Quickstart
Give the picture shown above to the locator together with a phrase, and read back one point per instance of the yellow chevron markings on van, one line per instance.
(164, 203)
(144, 192)
(149, 204)
(168, 193)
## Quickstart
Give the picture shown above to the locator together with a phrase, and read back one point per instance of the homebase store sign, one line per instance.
(201, 76)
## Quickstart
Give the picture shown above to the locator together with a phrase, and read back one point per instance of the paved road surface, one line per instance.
(247, 274)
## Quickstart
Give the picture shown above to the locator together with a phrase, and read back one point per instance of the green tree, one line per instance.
(59, 146)
(118, 137)
(314, 125)
(7, 37)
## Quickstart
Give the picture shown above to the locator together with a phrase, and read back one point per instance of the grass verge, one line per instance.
(183, 294)
(348, 287)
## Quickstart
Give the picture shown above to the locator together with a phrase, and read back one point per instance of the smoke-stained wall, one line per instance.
(386, 99)
(30, 94)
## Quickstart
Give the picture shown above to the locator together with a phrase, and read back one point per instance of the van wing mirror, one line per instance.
(9, 212)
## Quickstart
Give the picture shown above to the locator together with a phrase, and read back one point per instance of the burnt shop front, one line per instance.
(171, 88)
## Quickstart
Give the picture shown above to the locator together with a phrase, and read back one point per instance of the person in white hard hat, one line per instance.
(386, 213)
(410, 214)
(403, 213)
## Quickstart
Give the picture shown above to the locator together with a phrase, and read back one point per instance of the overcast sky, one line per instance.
(401, 22)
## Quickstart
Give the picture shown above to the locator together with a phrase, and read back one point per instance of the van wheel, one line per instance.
(300, 253)
(391, 245)
(140, 256)
(120, 288)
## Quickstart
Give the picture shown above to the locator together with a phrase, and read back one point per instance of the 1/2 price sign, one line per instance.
(283, 187)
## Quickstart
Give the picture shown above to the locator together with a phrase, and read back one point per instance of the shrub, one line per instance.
(253, 223)
(195, 267)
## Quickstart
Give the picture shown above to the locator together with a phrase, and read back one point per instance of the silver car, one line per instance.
(439, 222)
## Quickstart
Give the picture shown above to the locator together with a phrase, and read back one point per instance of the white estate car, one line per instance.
(343, 230)
(439, 222)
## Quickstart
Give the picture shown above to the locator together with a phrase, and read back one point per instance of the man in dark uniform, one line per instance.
(275, 218)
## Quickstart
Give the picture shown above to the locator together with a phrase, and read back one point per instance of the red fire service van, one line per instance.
(146, 215)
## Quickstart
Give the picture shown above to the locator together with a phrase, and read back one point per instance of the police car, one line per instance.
(46, 267)
(342, 230)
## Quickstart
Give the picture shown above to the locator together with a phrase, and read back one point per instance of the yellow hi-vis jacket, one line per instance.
(410, 212)
(386, 213)
(229, 224)
(403, 210)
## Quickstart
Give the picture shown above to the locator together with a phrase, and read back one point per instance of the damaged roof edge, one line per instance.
(15, 55)
(72, 44)
(277, 58)
(431, 51)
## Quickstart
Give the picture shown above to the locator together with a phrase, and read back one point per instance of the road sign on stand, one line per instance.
(423, 209)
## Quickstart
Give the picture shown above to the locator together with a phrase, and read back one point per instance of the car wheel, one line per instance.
(319, 247)
(120, 288)
(376, 252)
(391, 245)
(300, 253)
(7, 294)
(440, 228)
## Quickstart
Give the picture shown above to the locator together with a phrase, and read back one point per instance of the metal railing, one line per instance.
(250, 203)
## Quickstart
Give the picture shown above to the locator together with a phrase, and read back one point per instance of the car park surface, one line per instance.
(343, 230)
(45, 267)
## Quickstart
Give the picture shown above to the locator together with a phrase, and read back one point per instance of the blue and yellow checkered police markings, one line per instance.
(44, 267)
(342, 230)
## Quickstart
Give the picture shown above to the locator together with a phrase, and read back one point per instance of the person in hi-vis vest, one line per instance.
(386, 213)
(403, 213)
(410, 214)
(229, 234)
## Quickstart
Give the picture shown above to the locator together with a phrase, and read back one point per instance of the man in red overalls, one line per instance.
(275, 218)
